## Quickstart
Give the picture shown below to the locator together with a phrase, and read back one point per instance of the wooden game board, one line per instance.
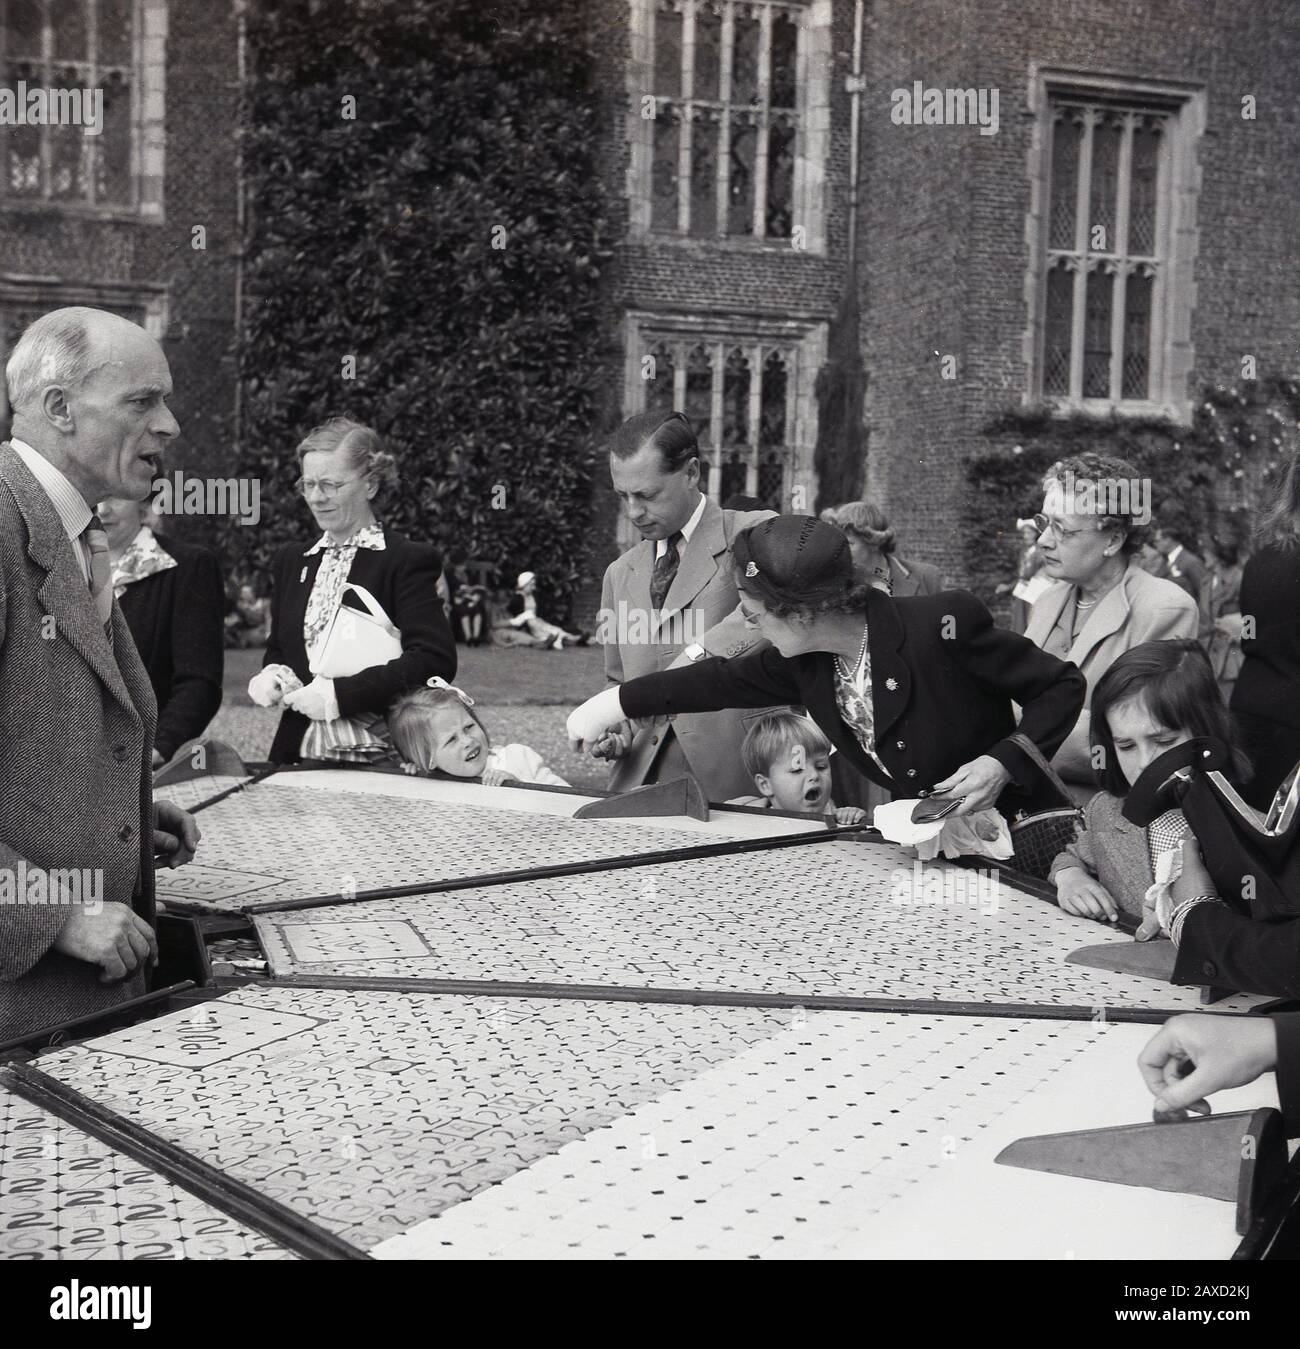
(273, 842)
(823, 920)
(65, 1195)
(851, 1135)
(367, 1113)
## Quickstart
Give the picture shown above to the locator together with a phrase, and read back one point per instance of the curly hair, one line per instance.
(363, 450)
(1111, 479)
(866, 520)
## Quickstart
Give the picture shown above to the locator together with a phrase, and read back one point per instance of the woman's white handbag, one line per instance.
(355, 640)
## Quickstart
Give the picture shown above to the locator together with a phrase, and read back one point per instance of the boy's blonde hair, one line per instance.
(410, 722)
(775, 733)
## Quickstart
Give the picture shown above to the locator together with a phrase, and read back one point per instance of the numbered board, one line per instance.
(851, 1135)
(66, 1196)
(273, 842)
(368, 1113)
(836, 918)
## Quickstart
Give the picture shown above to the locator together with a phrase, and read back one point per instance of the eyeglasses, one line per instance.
(327, 489)
(1053, 528)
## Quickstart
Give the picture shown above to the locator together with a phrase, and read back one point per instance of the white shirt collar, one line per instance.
(69, 504)
(369, 536)
(661, 545)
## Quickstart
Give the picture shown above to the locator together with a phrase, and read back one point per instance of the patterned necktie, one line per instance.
(101, 569)
(661, 580)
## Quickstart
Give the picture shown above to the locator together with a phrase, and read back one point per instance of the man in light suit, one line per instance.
(671, 599)
(78, 826)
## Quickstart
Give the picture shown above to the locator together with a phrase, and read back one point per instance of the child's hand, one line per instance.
(1085, 896)
(850, 815)
(409, 768)
(493, 777)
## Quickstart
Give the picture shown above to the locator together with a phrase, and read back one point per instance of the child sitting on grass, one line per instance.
(436, 730)
(789, 759)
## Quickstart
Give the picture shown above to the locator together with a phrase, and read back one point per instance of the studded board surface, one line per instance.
(833, 918)
(197, 791)
(65, 1195)
(272, 842)
(847, 1135)
(370, 1112)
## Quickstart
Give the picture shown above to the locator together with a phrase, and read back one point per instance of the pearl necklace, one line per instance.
(862, 655)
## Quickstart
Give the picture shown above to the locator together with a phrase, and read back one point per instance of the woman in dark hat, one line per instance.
(916, 692)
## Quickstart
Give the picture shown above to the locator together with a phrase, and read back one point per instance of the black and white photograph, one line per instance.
(649, 630)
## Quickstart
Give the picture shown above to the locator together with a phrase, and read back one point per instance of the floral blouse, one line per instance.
(853, 698)
(143, 556)
(327, 591)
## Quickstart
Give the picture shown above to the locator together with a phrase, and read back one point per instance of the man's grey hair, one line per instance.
(56, 349)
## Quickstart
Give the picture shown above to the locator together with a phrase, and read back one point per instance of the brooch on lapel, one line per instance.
(891, 684)
(751, 569)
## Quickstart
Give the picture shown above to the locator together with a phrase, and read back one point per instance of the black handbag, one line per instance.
(1037, 839)
(1253, 859)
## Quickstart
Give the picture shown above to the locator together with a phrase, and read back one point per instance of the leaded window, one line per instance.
(725, 105)
(1106, 260)
(64, 54)
(736, 394)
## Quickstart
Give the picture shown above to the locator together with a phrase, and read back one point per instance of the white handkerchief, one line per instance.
(894, 820)
(1159, 897)
(962, 836)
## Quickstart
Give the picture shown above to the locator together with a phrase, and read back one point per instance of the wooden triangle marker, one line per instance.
(1239, 1157)
(1147, 959)
(677, 796)
(218, 759)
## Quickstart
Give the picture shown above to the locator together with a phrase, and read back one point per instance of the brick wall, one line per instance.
(943, 218)
(199, 188)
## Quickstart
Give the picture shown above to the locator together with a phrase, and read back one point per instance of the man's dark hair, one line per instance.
(668, 432)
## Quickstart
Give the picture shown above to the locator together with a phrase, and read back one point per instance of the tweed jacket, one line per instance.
(702, 606)
(77, 724)
(1141, 608)
(1112, 850)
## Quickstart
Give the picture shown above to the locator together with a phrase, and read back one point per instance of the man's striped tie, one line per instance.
(101, 569)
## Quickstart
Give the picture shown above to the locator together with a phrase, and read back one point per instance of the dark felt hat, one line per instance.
(794, 559)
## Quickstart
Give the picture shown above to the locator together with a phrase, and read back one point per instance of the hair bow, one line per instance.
(437, 682)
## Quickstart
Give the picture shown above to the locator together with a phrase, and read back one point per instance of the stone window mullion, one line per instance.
(725, 72)
(1119, 292)
(686, 126)
(764, 118)
(1082, 227)
(756, 354)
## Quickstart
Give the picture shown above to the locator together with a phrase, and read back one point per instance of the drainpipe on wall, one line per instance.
(241, 73)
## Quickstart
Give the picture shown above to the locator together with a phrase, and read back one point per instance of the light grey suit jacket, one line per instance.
(1141, 608)
(77, 722)
(701, 606)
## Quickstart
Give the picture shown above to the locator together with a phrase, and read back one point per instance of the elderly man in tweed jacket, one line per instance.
(78, 826)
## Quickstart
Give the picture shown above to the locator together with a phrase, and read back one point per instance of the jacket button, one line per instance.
(125, 833)
(911, 772)
(898, 744)
(1209, 969)
(119, 752)
(654, 739)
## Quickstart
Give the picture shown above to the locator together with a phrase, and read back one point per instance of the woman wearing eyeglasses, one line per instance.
(344, 473)
(1102, 603)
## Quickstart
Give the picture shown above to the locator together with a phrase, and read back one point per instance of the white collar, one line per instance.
(1172, 556)
(70, 505)
(369, 536)
(661, 545)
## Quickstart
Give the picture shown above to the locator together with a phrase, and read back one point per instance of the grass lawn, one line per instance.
(523, 694)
